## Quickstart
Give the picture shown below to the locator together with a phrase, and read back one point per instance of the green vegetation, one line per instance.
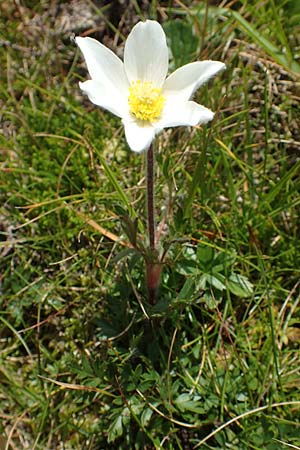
(85, 362)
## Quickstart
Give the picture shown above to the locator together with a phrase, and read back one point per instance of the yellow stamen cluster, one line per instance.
(145, 101)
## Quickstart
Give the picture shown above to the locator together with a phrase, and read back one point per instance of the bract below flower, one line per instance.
(138, 89)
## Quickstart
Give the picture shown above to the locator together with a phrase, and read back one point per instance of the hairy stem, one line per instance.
(153, 267)
(150, 197)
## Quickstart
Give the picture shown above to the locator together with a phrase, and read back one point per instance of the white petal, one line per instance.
(98, 94)
(185, 113)
(138, 137)
(146, 53)
(187, 79)
(103, 65)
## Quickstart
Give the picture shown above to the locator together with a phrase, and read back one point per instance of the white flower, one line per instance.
(139, 91)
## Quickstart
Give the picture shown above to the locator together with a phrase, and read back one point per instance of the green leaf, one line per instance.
(105, 329)
(205, 257)
(185, 402)
(223, 260)
(181, 41)
(201, 283)
(187, 267)
(210, 301)
(188, 289)
(130, 227)
(123, 254)
(216, 281)
(116, 429)
(146, 416)
(239, 285)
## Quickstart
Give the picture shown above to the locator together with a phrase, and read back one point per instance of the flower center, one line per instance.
(145, 100)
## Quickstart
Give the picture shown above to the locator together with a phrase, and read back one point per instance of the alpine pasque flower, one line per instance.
(138, 89)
